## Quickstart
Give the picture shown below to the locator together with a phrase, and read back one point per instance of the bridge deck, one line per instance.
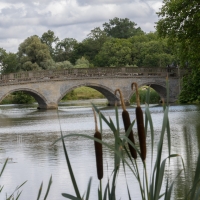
(84, 73)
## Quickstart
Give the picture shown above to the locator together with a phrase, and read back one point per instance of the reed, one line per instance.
(98, 150)
(151, 190)
(140, 124)
(127, 123)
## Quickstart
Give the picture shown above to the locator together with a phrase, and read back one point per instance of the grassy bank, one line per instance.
(83, 93)
(154, 97)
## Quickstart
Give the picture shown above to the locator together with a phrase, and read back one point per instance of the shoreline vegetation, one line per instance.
(81, 93)
(126, 154)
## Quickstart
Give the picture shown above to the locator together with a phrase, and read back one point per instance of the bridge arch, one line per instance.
(107, 92)
(42, 102)
(160, 88)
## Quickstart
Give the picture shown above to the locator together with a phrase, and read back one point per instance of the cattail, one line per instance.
(127, 123)
(98, 150)
(140, 125)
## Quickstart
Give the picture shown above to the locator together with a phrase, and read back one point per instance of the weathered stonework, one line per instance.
(48, 87)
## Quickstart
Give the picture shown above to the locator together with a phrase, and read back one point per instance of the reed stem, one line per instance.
(139, 180)
(146, 178)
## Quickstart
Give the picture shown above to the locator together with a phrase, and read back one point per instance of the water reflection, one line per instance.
(26, 135)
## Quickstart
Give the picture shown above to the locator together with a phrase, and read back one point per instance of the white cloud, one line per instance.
(20, 19)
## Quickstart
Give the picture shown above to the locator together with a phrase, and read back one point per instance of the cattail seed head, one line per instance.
(141, 132)
(140, 124)
(98, 150)
(99, 155)
(127, 123)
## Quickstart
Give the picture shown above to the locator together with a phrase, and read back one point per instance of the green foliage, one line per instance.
(83, 93)
(179, 23)
(156, 53)
(22, 98)
(144, 50)
(150, 51)
(2, 55)
(50, 39)
(63, 65)
(82, 63)
(64, 50)
(154, 96)
(121, 28)
(191, 83)
(33, 54)
(115, 52)
(9, 63)
(150, 189)
(70, 96)
(119, 44)
(91, 46)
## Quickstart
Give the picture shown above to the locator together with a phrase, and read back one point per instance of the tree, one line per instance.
(121, 28)
(180, 23)
(50, 39)
(82, 63)
(156, 53)
(115, 52)
(63, 65)
(2, 54)
(10, 63)
(34, 55)
(90, 46)
(64, 50)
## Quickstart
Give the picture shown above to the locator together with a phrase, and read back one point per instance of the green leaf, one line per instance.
(104, 118)
(48, 188)
(70, 170)
(88, 189)
(69, 196)
(2, 170)
(39, 192)
(196, 178)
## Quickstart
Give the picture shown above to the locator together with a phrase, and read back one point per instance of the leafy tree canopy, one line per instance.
(2, 54)
(115, 52)
(10, 63)
(50, 39)
(63, 65)
(34, 55)
(64, 49)
(82, 63)
(121, 28)
(180, 22)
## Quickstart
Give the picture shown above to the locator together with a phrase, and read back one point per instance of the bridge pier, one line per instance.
(50, 106)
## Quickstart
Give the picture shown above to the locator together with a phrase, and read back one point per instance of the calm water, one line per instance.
(26, 135)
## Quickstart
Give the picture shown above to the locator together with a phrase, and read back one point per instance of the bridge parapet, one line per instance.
(72, 73)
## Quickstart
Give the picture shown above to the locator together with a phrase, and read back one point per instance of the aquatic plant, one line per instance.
(150, 190)
(15, 195)
(150, 187)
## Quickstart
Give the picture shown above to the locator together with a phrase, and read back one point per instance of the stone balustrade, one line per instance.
(83, 73)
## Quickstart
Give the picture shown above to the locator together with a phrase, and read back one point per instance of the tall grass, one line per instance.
(150, 181)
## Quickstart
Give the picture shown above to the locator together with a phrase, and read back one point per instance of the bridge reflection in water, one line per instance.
(48, 87)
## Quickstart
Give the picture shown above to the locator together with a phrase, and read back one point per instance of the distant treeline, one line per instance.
(119, 43)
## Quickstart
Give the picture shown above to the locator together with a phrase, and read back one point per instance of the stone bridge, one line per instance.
(49, 87)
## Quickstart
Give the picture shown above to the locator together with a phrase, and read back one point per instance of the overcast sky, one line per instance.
(20, 19)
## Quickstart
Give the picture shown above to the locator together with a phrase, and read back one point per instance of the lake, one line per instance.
(27, 134)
